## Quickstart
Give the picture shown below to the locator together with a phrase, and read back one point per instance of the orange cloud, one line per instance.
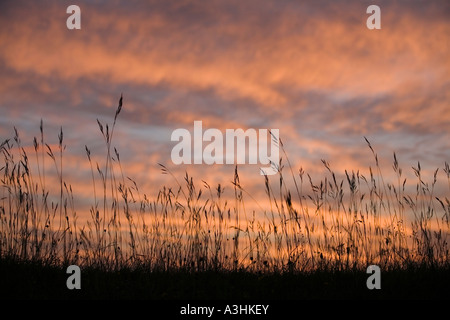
(312, 70)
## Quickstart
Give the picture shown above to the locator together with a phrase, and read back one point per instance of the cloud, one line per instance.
(237, 58)
(311, 69)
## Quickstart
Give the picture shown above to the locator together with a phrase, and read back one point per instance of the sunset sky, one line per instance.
(311, 69)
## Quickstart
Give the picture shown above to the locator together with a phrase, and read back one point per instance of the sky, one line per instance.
(311, 69)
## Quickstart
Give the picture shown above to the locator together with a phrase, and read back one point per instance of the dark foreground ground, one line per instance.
(34, 281)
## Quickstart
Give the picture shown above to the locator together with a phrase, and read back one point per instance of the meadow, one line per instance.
(312, 238)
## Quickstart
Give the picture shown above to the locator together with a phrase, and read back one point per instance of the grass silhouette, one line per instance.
(326, 227)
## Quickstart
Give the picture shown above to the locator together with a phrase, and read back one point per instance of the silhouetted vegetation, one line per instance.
(314, 234)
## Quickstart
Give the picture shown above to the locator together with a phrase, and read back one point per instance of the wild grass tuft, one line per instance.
(343, 221)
